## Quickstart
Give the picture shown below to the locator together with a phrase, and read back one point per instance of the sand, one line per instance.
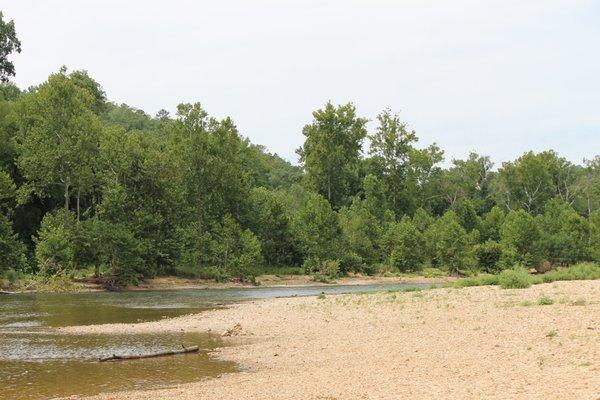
(471, 343)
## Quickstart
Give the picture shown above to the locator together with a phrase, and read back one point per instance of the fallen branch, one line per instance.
(114, 357)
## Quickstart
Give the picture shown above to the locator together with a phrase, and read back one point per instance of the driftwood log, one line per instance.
(114, 357)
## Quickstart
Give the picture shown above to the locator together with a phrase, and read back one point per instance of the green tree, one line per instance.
(270, 222)
(564, 233)
(235, 252)
(467, 214)
(331, 152)
(391, 147)
(12, 250)
(9, 43)
(58, 139)
(452, 245)
(533, 179)
(316, 228)
(55, 250)
(361, 231)
(594, 243)
(521, 233)
(492, 223)
(404, 246)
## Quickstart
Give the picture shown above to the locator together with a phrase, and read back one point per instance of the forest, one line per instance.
(90, 187)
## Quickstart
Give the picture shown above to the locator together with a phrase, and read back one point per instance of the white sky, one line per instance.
(499, 77)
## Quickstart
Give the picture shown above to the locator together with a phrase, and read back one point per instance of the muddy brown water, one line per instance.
(37, 362)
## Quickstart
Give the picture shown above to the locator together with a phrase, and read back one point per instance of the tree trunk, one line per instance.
(66, 185)
(78, 197)
(193, 349)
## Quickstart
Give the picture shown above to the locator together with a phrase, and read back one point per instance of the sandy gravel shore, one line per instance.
(472, 343)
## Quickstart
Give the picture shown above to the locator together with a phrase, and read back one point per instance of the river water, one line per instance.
(37, 362)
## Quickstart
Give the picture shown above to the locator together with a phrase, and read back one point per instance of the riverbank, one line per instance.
(62, 284)
(469, 343)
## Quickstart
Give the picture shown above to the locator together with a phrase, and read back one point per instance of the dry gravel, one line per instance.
(472, 343)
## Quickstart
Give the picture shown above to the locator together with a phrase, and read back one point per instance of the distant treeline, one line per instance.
(89, 185)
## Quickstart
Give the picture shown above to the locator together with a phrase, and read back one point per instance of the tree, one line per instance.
(235, 252)
(424, 179)
(316, 228)
(391, 146)
(564, 233)
(271, 224)
(467, 215)
(9, 43)
(533, 179)
(58, 139)
(469, 179)
(492, 223)
(361, 231)
(520, 233)
(211, 155)
(594, 243)
(11, 249)
(330, 155)
(452, 245)
(54, 251)
(404, 246)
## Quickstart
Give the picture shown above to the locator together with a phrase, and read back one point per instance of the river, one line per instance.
(37, 362)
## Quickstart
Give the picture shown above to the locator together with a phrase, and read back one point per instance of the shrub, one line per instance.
(452, 244)
(404, 244)
(517, 278)
(351, 262)
(545, 301)
(54, 249)
(323, 271)
(521, 233)
(12, 251)
(488, 255)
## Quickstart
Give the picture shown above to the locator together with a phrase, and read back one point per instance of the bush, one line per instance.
(545, 301)
(517, 278)
(351, 262)
(489, 255)
(404, 244)
(452, 244)
(54, 249)
(521, 233)
(12, 251)
(11, 276)
(323, 271)
(480, 280)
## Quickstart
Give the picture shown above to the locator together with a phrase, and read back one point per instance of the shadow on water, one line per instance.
(36, 362)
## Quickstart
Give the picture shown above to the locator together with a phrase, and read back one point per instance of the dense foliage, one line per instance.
(89, 186)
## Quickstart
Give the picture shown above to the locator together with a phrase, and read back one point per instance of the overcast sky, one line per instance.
(499, 77)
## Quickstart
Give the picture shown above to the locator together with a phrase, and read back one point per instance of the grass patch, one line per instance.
(520, 278)
(545, 301)
(526, 303)
(552, 334)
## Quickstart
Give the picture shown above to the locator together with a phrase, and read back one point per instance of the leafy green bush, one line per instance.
(517, 278)
(480, 280)
(452, 244)
(323, 271)
(488, 255)
(12, 251)
(404, 246)
(351, 262)
(54, 249)
(545, 301)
